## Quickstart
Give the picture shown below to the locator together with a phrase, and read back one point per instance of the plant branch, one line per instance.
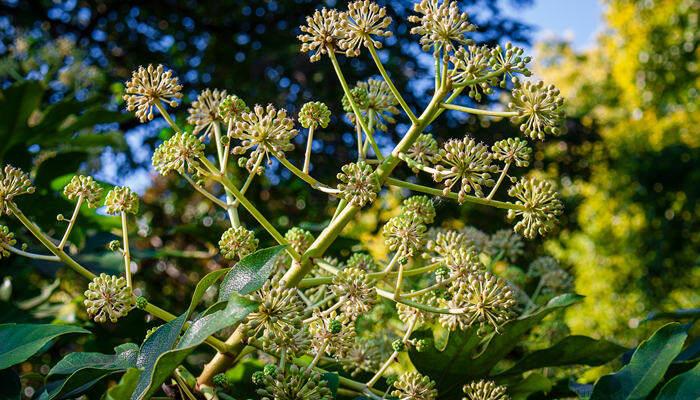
(389, 82)
(478, 111)
(71, 223)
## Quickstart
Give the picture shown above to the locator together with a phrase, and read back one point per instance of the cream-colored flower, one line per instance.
(363, 20)
(149, 86)
(204, 112)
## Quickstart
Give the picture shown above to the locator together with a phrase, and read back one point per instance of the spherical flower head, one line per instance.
(280, 310)
(295, 341)
(541, 207)
(7, 239)
(108, 297)
(421, 206)
(360, 96)
(321, 33)
(85, 187)
(364, 356)
(314, 114)
(294, 383)
(415, 386)
(404, 233)
(232, 107)
(441, 25)
(506, 244)
(512, 151)
(266, 131)
(445, 242)
(358, 184)
(13, 182)
(542, 266)
(362, 261)
(121, 199)
(355, 287)
(204, 112)
(359, 23)
(237, 242)
(486, 299)
(381, 101)
(299, 239)
(484, 390)
(180, 153)
(467, 163)
(540, 109)
(471, 71)
(147, 87)
(422, 152)
(324, 330)
(509, 60)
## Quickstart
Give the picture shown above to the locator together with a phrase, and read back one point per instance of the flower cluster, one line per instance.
(232, 107)
(422, 152)
(484, 390)
(540, 109)
(122, 199)
(540, 207)
(150, 87)
(354, 287)
(299, 239)
(415, 386)
(441, 25)
(294, 383)
(404, 234)
(180, 153)
(321, 33)
(7, 239)
(314, 114)
(13, 182)
(359, 23)
(84, 187)
(279, 313)
(108, 297)
(266, 131)
(467, 163)
(237, 242)
(359, 184)
(512, 151)
(204, 112)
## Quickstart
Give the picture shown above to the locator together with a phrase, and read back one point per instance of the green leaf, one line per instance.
(163, 340)
(11, 388)
(78, 372)
(683, 313)
(683, 386)
(460, 361)
(533, 383)
(154, 375)
(249, 274)
(646, 368)
(18, 342)
(125, 387)
(571, 350)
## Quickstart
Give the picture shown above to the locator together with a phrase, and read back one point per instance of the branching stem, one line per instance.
(71, 223)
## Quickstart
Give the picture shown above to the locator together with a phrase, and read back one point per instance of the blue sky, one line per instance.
(580, 20)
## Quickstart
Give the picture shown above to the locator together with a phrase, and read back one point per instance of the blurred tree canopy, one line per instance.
(631, 170)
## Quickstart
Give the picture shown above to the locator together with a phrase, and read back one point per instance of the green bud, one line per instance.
(270, 369)
(398, 345)
(141, 302)
(258, 378)
(336, 326)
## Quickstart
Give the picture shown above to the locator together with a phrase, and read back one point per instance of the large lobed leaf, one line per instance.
(646, 367)
(18, 342)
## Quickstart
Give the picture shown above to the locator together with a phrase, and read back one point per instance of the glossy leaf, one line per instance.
(78, 372)
(249, 274)
(18, 342)
(683, 386)
(154, 375)
(646, 368)
(571, 350)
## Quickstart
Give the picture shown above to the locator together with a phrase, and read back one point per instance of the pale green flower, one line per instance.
(108, 297)
(180, 153)
(467, 163)
(314, 114)
(484, 390)
(415, 386)
(359, 184)
(85, 187)
(121, 199)
(541, 207)
(540, 109)
(204, 112)
(237, 242)
(13, 182)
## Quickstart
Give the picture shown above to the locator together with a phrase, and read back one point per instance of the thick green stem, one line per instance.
(307, 155)
(478, 111)
(305, 177)
(389, 82)
(453, 196)
(165, 115)
(127, 253)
